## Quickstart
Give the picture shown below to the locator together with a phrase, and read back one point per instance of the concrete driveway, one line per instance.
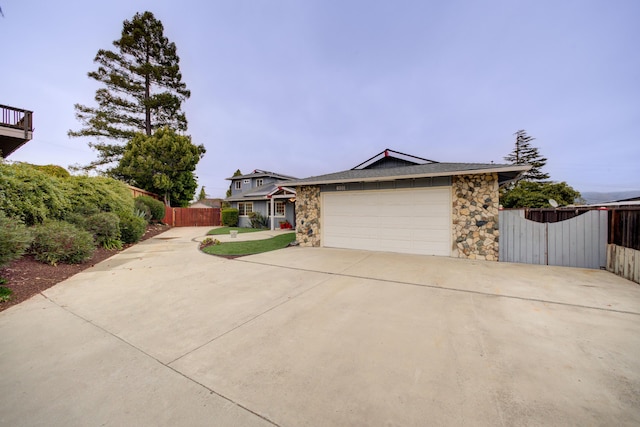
(163, 335)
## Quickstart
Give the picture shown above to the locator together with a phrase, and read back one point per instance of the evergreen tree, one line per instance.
(163, 164)
(203, 194)
(236, 173)
(143, 90)
(525, 153)
(530, 194)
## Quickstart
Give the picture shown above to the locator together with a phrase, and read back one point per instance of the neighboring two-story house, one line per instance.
(266, 193)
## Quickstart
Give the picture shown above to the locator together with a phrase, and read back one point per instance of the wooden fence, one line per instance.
(624, 262)
(191, 217)
(623, 251)
(554, 215)
(135, 191)
(624, 227)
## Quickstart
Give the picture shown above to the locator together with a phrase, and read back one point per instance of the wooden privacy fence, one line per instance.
(624, 227)
(191, 217)
(554, 214)
(623, 252)
(577, 242)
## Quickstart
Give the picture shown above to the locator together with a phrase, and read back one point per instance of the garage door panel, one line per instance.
(352, 222)
(406, 221)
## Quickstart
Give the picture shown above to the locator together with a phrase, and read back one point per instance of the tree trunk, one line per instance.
(147, 94)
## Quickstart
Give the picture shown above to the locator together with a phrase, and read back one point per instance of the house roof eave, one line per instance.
(390, 177)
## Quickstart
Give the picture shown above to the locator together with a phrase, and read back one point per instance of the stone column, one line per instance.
(475, 216)
(308, 216)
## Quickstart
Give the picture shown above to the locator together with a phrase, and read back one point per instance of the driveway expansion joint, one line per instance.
(166, 365)
(447, 288)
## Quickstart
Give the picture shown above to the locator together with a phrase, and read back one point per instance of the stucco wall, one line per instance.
(475, 216)
(308, 216)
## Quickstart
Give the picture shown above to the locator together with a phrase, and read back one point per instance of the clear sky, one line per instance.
(308, 87)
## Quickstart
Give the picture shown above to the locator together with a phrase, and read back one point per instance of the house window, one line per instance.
(238, 185)
(245, 208)
(279, 207)
(259, 182)
(247, 181)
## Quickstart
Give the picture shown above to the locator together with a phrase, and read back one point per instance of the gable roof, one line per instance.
(390, 158)
(209, 203)
(261, 193)
(505, 173)
(257, 173)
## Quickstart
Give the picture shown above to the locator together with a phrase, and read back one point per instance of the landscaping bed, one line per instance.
(27, 277)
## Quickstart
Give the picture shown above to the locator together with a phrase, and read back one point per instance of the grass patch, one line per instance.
(5, 293)
(225, 230)
(251, 247)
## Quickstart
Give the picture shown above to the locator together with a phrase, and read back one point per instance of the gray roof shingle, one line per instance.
(258, 173)
(413, 171)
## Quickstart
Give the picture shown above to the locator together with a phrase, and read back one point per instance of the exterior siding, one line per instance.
(262, 206)
(248, 193)
(248, 186)
(388, 185)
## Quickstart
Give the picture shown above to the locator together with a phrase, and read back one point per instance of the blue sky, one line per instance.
(317, 86)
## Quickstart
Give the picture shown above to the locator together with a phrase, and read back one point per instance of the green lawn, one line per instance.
(252, 246)
(225, 230)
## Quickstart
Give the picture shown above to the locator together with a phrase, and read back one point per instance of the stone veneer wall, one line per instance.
(308, 216)
(475, 216)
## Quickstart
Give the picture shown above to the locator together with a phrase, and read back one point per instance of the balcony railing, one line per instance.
(17, 118)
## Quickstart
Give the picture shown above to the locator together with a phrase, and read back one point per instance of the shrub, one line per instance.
(58, 241)
(208, 242)
(15, 239)
(53, 170)
(258, 221)
(5, 294)
(31, 195)
(79, 219)
(132, 227)
(105, 227)
(91, 195)
(141, 209)
(156, 206)
(230, 217)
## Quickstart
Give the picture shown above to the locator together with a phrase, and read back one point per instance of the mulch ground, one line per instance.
(27, 277)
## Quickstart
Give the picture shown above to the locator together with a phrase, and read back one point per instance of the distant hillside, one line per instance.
(593, 197)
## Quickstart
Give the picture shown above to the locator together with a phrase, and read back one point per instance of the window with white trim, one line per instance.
(238, 185)
(259, 182)
(245, 208)
(279, 208)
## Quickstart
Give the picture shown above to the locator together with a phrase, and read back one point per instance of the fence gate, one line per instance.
(191, 217)
(575, 242)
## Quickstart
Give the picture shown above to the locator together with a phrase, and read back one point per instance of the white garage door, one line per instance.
(415, 221)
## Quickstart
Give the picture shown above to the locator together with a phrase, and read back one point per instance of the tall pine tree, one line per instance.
(143, 90)
(533, 189)
(524, 153)
(203, 194)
